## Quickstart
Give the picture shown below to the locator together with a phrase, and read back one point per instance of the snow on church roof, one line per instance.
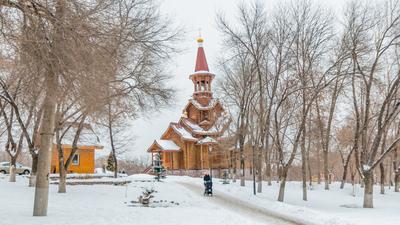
(164, 145)
(207, 140)
(197, 129)
(167, 145)
(210, 105)
(220, 124)
(183, 132)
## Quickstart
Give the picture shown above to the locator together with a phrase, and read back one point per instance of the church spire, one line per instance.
(202, 77)
(201, 62)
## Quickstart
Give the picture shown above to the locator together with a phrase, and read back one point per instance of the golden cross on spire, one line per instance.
(200, 39)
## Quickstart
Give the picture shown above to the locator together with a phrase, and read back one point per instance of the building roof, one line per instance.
(219, 126)
(178, 129)
(207, 141)
(201, 61)
(165, 145)
(87, 139)
(213, 102)
(182, 132)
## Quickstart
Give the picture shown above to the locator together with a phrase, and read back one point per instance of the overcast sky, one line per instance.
(192, 15)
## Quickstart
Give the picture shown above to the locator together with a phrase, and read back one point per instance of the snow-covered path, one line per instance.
(237, 205)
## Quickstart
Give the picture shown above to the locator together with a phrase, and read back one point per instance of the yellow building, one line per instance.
(84, 158)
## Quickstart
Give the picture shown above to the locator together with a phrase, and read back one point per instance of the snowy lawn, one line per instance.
(335, 206)
(107, 205)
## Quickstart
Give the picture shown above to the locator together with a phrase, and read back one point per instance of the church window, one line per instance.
(203, 85)
(203, 115)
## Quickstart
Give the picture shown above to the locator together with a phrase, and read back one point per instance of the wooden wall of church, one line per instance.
(192, 156)
(193, 113)
(176, 160)
(206, 162)
(166, 160)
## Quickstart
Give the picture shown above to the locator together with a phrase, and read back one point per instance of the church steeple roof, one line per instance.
(201, 61)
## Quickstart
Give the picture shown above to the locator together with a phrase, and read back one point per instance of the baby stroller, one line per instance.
(208, 188)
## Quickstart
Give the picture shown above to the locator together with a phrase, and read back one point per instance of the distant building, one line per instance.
(84, 158)
(192, 143)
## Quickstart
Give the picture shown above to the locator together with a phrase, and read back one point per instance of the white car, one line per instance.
(20, 169)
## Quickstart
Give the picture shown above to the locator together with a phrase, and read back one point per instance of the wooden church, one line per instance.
(192, 143)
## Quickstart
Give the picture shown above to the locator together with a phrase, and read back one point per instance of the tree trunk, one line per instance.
(46, 145)
(397, 181)
(353, 184)
(32, 177)
(13, 170)
(269, 173)
(12, 174)
(259, 170)
(382, 182)
(326, 171)
(282, 184)
(48, 119)
(318, 166)
(309, 138)
(345, 168)
(304, 169)
(234, 168)
(242, 175)
(62, 184)
(396, 172)
(390, 176)
(111, 136)
(343, 177)
(368, 189)
(116, 165)
(309, 168)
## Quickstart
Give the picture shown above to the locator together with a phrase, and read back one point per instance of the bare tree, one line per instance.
(70, 42)
(252, 38)
(370, 36)
(237, 88)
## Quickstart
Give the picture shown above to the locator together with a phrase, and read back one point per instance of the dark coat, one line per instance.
(206, 178)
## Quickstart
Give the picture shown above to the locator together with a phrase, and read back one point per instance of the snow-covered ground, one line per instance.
(183, 203)
(108, 205)
(334, 206)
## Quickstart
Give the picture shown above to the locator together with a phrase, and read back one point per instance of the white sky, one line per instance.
(192, 15)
